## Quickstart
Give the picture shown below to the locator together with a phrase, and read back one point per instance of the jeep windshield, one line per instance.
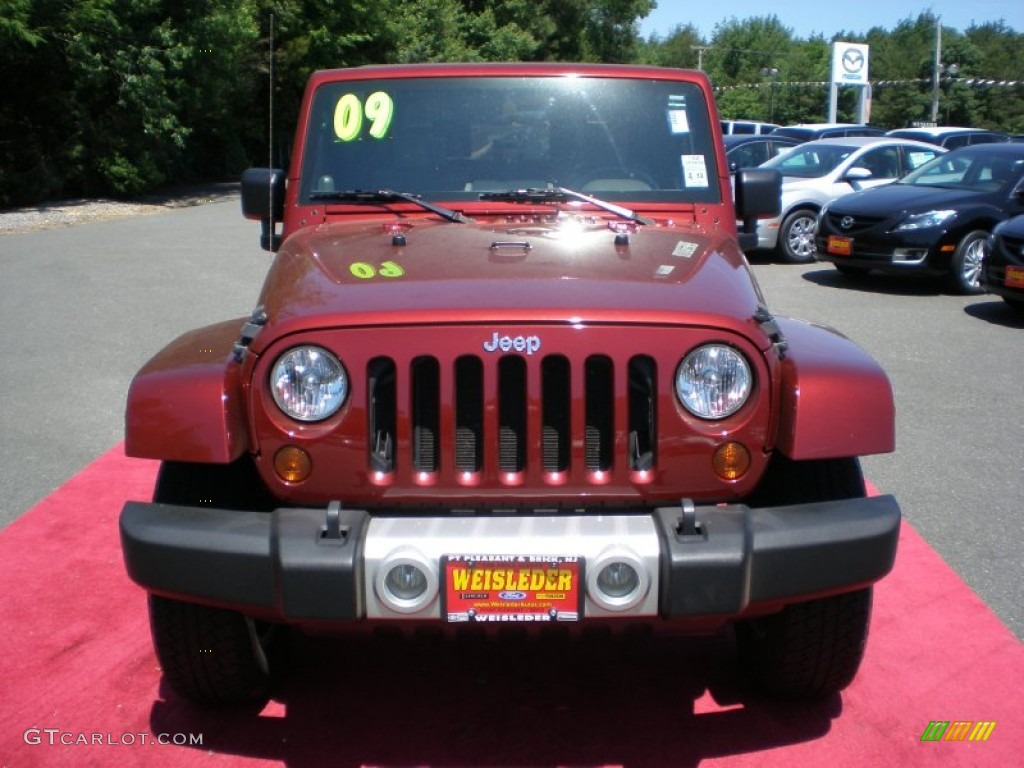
(457, 138)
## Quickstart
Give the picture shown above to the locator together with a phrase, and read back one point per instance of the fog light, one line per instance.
(909, 255)
(292, 464)
(406, 581)
(731, 461)
(617, 580)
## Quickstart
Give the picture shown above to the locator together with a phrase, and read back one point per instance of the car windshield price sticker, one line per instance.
(512, 588)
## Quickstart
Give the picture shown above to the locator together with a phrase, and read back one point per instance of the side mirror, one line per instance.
(758, 194)
(263, 200)
(856, 175)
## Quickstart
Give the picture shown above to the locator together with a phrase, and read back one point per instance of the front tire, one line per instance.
(796, 236)
(810, 649)
(212, 656)
(965, 266)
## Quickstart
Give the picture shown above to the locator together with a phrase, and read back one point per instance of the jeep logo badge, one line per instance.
(527, 344)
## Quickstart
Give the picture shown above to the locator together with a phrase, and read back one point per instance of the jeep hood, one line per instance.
(553, 269)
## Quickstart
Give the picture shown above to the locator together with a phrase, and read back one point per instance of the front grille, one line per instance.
(507, 414)
(860, 223)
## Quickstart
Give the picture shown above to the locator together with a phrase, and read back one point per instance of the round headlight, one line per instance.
(308, 383)
(713, 381)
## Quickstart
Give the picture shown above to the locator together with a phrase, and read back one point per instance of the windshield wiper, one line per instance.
(361, 196)
(562, 195)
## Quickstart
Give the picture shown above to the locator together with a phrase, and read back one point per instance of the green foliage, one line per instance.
(114, 97)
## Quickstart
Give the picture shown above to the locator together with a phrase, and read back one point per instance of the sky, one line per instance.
(827, 17)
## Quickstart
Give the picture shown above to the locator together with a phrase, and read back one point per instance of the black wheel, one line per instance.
(212, 656)
(810, 649)
(796, 236)
(965, 267)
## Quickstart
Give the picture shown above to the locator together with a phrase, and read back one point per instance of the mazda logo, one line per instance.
(846, 222)
(853, 60)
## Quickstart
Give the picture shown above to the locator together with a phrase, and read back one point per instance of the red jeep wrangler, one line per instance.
(509, 364)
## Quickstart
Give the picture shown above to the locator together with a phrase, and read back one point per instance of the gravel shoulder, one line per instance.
(67, 213)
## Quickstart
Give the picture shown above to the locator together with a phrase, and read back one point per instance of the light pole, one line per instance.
(948, 74)
(773, 73)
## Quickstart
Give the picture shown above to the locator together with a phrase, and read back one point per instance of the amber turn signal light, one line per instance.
(731, 461)
(292, 464)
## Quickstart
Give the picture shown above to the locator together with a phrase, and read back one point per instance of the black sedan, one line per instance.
(934, 221)
(746, 151)
(1002, 271)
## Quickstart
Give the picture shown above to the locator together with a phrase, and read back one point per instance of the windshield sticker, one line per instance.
(684, 250)
(664, 270)
(919, 158)
(677, 121)
(365, 271)
(695, 171)
(349, 114)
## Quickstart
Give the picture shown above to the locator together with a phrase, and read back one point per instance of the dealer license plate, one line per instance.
(839, 246)
(511, 588)
(1014, 277)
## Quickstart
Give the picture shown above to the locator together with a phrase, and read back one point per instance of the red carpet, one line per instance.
(80, 686)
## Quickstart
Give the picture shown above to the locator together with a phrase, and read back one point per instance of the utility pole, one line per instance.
(700, 54)
(936, 69)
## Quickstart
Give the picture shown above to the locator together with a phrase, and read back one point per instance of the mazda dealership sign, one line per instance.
(849, 63)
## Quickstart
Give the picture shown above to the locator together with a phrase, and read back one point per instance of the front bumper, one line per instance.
(311, 566)
(922, 253)
(768, 233)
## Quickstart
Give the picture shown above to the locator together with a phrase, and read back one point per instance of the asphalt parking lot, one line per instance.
(83, 307)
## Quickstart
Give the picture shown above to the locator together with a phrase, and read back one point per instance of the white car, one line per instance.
(818, 171)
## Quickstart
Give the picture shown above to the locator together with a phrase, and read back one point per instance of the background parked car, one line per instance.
(1002, 268)
(812, 131)
(750, 151)
(747, 127)
(817, 171)
(936, 221)
(950, 137)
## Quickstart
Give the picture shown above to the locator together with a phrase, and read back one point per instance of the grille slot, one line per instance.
(469, 414)
(556, 437)
(643, 397)
(382, 421)
(426, 413)
(512, 414)
(600, 413)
